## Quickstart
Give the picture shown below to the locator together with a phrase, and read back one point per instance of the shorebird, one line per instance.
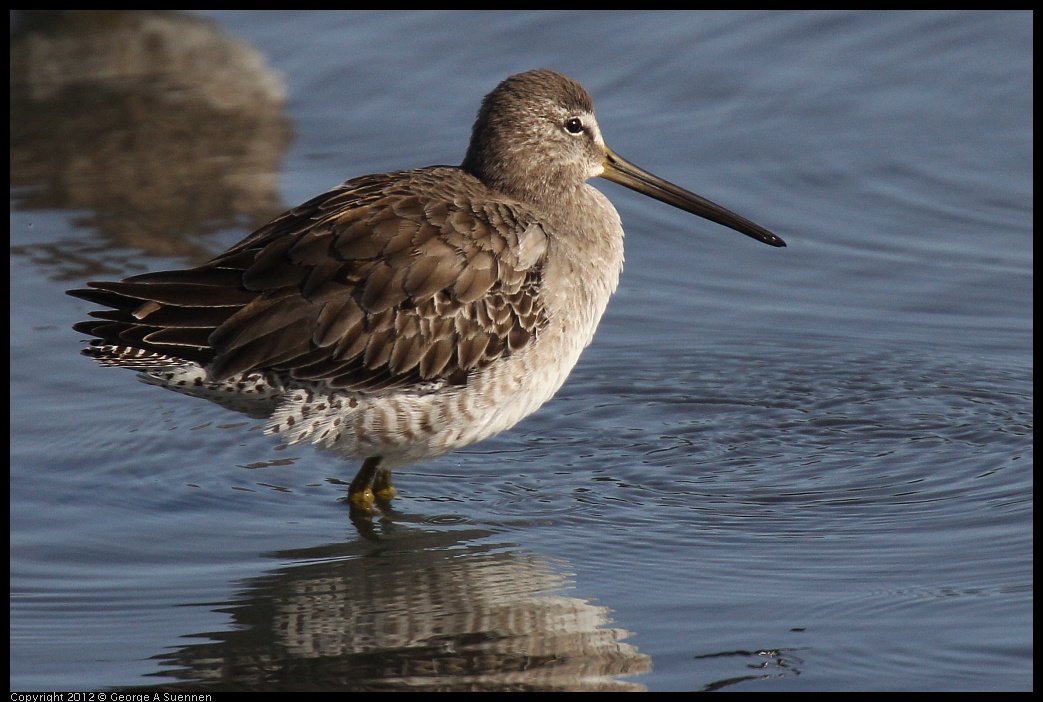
(404, 315)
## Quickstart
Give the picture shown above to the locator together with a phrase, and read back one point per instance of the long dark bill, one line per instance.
(621, 171)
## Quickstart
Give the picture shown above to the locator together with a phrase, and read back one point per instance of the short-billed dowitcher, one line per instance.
(404, 315)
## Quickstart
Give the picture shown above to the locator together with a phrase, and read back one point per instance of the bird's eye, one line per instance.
(574, 125)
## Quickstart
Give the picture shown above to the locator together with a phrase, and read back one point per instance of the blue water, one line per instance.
(797, 469)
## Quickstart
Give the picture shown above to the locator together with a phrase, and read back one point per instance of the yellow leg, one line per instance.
(383, 490)
(360, 492)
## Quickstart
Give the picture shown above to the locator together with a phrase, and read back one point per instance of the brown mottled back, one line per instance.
(388, 280)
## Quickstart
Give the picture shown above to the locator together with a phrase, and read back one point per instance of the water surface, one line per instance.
(797, 469)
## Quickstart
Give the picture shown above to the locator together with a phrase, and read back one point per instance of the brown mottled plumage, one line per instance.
(403, 315)
(382, 282)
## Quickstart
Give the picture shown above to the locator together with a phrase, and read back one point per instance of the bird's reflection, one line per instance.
(422, 610)
(154, 128)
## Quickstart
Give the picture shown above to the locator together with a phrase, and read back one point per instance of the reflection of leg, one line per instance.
(383, 490)
(360, 492)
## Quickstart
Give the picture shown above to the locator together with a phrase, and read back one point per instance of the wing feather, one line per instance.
(385, 281)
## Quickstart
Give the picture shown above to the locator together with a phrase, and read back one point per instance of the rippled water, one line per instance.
(798, 469)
